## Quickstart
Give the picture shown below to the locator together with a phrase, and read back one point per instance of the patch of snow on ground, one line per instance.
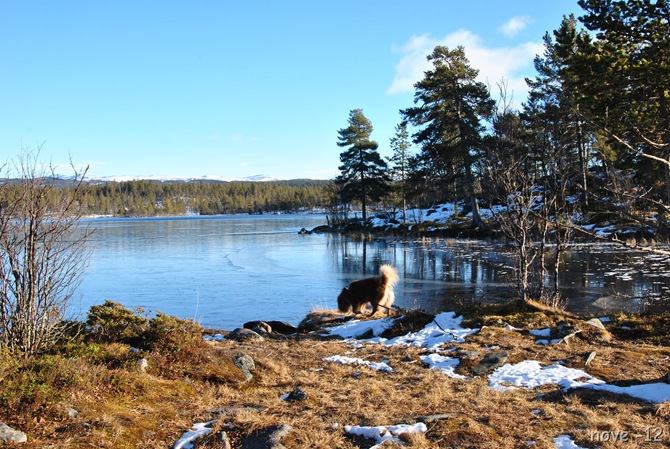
(565, 442)
(445, 328)
(540, 332)
(356, 328)
(446, 365)
(530, 374)
(382, 434)
(376, 366)
(217, 337)
(199, 430)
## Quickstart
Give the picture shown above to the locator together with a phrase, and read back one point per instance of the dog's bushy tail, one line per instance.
(390, 274)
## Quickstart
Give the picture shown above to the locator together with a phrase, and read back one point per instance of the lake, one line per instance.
(223, 271)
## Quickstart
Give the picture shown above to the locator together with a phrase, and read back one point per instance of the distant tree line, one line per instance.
(154, 198)
(149, 198)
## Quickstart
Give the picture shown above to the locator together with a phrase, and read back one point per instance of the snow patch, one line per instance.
(198, 430)
(382, 434)
(375, 366)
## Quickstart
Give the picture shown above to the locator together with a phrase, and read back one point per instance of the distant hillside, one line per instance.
(202, 196)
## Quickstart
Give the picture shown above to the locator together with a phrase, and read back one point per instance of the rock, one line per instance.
(597, 323)
(490, 362)
(467, 354)
(242, 334)
(223, 440)
(245, 364)
(437, 417)
(595, 331)
(72, 413)
(260, 327)
(225, 411)
(296, 395)
(283, 327)
(143, 364)
(268, 438)
(9, 435)
(568, 338)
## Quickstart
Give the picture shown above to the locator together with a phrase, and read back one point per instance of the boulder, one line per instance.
(246, 364)
(242, 334)
(490, 362)
(9, 435)
(296, 395)
(282, 327)
(260, 327)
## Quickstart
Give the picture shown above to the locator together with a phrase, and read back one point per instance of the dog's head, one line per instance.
(343, 300)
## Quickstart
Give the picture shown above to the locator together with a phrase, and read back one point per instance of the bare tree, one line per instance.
(43, 252)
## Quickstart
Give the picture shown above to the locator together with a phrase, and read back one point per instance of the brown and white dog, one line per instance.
(378, 291)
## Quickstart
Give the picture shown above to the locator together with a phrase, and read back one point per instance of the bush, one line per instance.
(170, 334)
(113, 323)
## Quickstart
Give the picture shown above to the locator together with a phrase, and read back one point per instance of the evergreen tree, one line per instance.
(363, 171)
(400, 145)
(450, 106)
(625, 79)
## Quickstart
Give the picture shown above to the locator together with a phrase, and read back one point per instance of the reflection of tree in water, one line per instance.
(437, 273)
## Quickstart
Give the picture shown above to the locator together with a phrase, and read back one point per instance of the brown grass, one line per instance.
(120, 407)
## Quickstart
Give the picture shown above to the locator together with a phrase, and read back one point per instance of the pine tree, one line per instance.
(363, 171)
(400, 145)
(450, 106)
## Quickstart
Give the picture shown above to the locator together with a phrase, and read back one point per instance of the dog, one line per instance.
(376, 291)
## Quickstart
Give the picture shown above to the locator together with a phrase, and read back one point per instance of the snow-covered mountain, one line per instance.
(124, 178)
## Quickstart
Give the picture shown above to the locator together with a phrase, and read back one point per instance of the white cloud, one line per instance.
(514, 25)
(511, 64)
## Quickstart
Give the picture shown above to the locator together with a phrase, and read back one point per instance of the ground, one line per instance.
(120, 406)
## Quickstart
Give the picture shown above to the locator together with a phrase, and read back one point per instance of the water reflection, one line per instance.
(437, 273)
(224, 271)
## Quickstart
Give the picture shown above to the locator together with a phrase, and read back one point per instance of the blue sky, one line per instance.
(232, 89)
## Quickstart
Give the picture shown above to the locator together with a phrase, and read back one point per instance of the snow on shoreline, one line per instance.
(446, 328)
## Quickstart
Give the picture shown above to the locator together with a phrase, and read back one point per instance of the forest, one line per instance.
(590, 143)
(152, 198)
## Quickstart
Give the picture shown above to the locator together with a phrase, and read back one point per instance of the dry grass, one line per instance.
(120, 407)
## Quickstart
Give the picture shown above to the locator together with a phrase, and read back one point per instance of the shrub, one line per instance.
(170, 334)
(111, 322)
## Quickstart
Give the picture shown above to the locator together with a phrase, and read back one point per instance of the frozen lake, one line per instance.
(225, 270)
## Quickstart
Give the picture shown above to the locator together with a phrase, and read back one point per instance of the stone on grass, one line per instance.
(491, 362)
(9, 435)
(245, 364)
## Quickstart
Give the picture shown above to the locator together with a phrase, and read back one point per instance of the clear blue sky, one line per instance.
(236, 88)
